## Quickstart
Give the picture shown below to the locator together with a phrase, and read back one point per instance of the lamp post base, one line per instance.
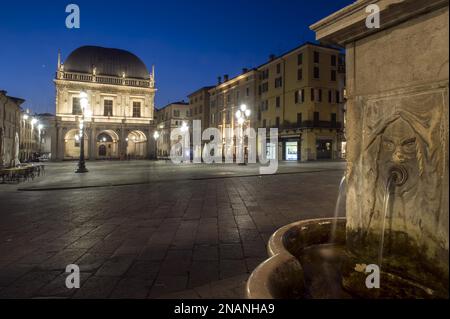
(81, 169)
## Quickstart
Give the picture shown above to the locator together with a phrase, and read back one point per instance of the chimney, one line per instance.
(244, 70)
(225, 77)
(271, 57)
(219, 80)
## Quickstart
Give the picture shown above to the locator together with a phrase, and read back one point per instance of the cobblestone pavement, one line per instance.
(156, 239)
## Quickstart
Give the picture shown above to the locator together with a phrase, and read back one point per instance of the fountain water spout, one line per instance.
(398, 174)
(336, 210)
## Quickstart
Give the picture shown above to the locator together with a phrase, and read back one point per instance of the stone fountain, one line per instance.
(397, 216)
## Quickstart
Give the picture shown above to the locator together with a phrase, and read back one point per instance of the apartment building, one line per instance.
(171, 116)
(199, 106)
(10, 118)
(199, 110)
(30, 136)
(21, 133)
(301, 93)
(227, 97)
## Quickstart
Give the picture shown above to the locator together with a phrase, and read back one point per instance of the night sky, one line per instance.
(190, 42)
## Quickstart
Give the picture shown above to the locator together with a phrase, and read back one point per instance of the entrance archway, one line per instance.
(107, 145)
(72, 145)
(136, 145)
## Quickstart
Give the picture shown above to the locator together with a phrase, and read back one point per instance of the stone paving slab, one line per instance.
(149, 241)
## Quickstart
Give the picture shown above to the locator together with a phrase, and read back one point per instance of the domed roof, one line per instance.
(112, 62)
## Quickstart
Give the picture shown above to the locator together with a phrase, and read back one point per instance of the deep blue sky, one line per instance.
(190, 42)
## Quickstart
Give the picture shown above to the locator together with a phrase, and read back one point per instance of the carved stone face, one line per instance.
(399, 148)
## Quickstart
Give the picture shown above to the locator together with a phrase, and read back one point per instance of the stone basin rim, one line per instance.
(281, 261)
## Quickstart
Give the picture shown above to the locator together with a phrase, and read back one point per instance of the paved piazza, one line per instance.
(146, 229)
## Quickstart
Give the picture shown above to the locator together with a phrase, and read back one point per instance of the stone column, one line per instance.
(151, 144)
(60, 143)
(92, 135)
(123, 142)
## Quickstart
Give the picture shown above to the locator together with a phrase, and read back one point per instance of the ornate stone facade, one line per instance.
(121, 105)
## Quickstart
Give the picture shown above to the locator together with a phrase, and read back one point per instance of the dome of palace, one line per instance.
(106, 61)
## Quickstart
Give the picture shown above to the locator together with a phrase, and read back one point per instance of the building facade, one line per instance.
(31, 136)
(226, 99)
(199, 106)
(301, 94)
(10, 121)
(47, 121)
(119, 117)
(199, 110)
(171, 116)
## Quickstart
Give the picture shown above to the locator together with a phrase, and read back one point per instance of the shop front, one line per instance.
(324, 148)
(291, 149)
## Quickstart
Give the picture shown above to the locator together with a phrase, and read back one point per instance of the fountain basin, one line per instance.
(286, 274)
(307, 262)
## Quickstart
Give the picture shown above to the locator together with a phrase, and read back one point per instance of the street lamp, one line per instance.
(156, 137)
(184, 127)
(33, 147)
(84, 104)
(40, 127)
(242, 116)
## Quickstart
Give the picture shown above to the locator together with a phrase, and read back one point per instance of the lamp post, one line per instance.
(34, 122)
(84, 104)
(242, 116)
(40, 127)
(184, 127)
(25, 137)
(156, 137)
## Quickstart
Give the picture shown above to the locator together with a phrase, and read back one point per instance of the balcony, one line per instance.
(309, 124)
(321, 124)
(82, 77)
